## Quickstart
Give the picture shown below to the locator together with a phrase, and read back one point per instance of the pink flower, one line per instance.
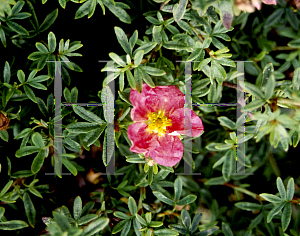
(270, 2)
(159, 120)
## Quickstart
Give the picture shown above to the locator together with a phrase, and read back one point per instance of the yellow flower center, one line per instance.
(158, 122)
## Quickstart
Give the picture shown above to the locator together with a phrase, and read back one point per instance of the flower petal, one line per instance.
(169, 152)
(166, 98)
(178, 121)
(142, 140)
(270, 2)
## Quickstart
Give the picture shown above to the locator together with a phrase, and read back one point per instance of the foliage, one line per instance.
(142, 197)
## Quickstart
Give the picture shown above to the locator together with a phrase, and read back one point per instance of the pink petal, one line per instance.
(270, 2)
(169, 152)
(256, 3)
(142, 140)
(178, 121)
(166, 98)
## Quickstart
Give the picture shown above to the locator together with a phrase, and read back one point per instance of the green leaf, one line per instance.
(147, 47)
(270, 86)
(29, 209)
(123, 40)
(17, 8)
(226, 229)
(296, 79)
(86, 219)
(165, 232)
(132, 206)
(185, 26)
(61, 221)
(163, 198)
(138, 79)
(5, 189)
(82, 127)
(227, 166)
(121, 215)
(286, 216)
(180, 10)
(87, 208)
(117, 59)
(253, 90)
(153, 71)
(49, 20)
(131, 79)
(77, 208)
(6, 72)
(294, 43)
(87, 115)
(152, 20)
(41, 47)
(146, 78)
(177, 189)
(38, 140)
(157, 34)
(74, 95)
(187, 200)
(248, 206)
(226, 13)
(254, 105)
(271, 198)
(118, 12)
(118, 227)
(274, 17)
(186, 219)
(95, 226)
(4, 135)
(275, 211)
(62, 3)
(290, 189)
(17, 28)
(38, 161)
(138, 57)
(218, 72)
(2, 36)
(203, 63)
(108, 100)
(194, 54)
(281, 188)
(13, 225)
(84, 9)
(27, 150)
(42, 106)
(51, 42)
(224, 121)
(133, 39)
(69, 166)
(292, 18)
(108, 144)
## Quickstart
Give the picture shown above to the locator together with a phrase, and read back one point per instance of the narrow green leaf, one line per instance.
(132, 206)
(226, 229)
(180, 10)
(77, 208)
(17, 28)
(123, 40)
(248, 206)
(87, 115)
(281, 188)
(187, 200)
(69, 166)
(138, 57)
(51, 42)
(38, 140)
(29, 209)
(38, 161)
(286, 216)
(275, 211)
(271, 198)
(13, 225)
(164, 199)
(27, 150)
(5, 189)
(49, 20)
(290, 189)
(177, 189)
